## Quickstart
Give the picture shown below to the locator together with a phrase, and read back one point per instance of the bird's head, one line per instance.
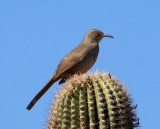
(95, 36)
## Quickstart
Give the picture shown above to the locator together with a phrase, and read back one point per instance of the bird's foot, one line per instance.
(63, 80)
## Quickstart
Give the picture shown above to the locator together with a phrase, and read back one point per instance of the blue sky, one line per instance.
(36, 34)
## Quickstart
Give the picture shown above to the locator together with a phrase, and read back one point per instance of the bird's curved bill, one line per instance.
(108, 35)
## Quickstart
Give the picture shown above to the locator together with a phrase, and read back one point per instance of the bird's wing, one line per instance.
(71, 59)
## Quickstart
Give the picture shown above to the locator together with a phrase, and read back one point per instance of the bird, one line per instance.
(77, 61)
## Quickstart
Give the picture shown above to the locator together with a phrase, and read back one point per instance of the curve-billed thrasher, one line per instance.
(77, 61)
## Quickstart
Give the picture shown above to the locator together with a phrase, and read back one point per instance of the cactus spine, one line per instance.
(92, 101)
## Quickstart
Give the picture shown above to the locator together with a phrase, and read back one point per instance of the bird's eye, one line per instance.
(95, 33)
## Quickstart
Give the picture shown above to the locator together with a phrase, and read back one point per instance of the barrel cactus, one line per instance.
(92, 101)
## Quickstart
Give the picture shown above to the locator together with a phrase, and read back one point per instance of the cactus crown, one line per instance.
(92, 101)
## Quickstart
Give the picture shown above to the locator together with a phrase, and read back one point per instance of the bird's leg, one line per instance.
(62, 81)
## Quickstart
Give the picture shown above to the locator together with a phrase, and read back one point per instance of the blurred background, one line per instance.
(36, 34)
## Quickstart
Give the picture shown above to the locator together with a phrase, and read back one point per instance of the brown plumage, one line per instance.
(77, 61)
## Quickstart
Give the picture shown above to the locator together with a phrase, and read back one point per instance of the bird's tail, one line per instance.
(41, 92)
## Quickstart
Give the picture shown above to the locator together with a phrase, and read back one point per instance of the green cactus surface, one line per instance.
(92, 101)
